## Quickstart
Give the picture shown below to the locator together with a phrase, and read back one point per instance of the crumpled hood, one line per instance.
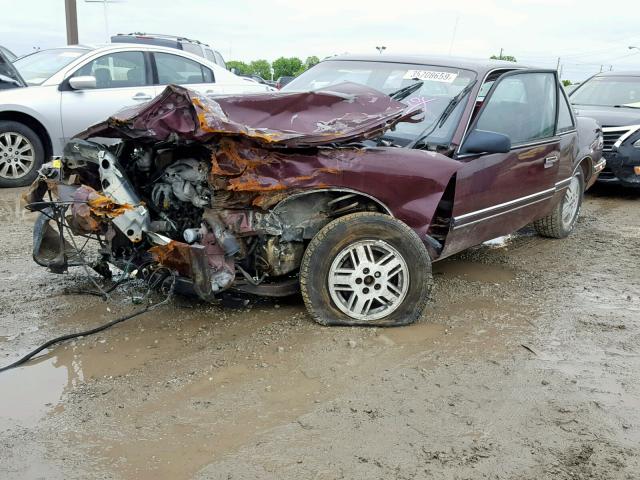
(609, 116)
(337, 114)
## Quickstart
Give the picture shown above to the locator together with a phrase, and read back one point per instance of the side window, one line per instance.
(180, 70)
(208, 75)
(522, 107)
(219, 60)
(565, 121)
(120, 69)
(208, 54)
(191, 48)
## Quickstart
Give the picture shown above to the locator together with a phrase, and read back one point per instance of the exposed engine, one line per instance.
(174, 216)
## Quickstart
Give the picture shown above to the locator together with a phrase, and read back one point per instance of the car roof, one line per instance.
(475, 64)
(627, 73)
(106, 47)
(164, 36)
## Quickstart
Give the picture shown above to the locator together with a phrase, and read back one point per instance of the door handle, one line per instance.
(141, 96)
(550, 161)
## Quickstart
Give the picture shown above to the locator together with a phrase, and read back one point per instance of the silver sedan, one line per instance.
(71, 88)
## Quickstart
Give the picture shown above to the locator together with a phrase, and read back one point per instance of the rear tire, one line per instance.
(366, 269)
(562, 219)
(21, 154)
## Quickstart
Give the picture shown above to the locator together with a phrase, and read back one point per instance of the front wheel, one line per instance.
(562, 219)
(366, 269)
(21, 154)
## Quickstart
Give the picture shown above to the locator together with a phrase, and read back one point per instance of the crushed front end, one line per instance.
(193, 187)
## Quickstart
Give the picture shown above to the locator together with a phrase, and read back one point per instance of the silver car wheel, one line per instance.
(368, 280)
(17, 155)
(571, 203)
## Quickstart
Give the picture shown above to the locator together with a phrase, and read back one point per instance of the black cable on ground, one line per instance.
(86, 333)
(97, 293)
(69, 336)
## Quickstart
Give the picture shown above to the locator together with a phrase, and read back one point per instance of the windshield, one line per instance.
(609, 91)
(39, 66)
(439, 86)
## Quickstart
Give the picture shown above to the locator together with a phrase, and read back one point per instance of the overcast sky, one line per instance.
(584, 33)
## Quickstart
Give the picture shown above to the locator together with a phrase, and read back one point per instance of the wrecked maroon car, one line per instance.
(340, 191)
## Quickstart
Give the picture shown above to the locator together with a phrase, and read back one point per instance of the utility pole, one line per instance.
(501, 53)
(558, 65)
(71, 15)
(453, 35)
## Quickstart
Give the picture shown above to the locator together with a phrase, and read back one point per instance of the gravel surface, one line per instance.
(526, 365)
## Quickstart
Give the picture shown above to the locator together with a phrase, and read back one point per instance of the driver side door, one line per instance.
(499, 193)
(123, 79)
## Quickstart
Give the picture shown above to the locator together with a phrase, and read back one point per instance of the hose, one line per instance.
(86, 333)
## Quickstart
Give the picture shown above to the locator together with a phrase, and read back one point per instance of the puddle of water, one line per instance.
(474, 271)
(27, 394)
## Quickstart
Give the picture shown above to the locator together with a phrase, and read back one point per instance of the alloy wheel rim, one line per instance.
(368, 280)
(571, 202)
(17, 155)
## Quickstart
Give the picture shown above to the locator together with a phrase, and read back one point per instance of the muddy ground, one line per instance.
(525, 366)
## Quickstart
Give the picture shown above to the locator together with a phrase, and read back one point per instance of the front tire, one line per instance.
(562, 219)
(366, 269)
(21, 154)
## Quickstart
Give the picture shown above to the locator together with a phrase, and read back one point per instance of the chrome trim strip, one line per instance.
(546, 193)
(563, 183)
(632, 129)
(500, 213)
(624, 128)
(598, 167)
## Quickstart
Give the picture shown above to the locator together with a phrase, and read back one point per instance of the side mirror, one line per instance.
(83, 82)
(482, 141)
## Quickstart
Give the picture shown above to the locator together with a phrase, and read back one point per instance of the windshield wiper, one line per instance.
(453, 103)
(624, 106)
(404, 92)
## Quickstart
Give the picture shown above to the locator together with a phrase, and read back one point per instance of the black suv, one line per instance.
(181, 43)
(613, 99)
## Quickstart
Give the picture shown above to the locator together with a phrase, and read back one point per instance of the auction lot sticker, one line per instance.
(432, 76)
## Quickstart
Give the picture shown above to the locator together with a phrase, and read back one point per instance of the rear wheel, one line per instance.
(366, 269)
(562, 220)
(21, 154)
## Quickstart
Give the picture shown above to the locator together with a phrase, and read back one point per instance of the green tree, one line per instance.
(240, 67)
(261, 67)
(308, 63)
(284, 67)
(566, 83)
(508, 58)
(311, 61)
